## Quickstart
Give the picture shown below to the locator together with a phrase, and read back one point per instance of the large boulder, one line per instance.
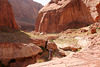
(25, 12)
(12, 53)
(93, 30)
(39, 42)
(51, 45)
(59, 15)
(7, 20)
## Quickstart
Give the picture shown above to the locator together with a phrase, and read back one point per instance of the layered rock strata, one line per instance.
(59, 15)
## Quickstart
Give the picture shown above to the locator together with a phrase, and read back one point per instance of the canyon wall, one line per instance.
(7, 20)
(25, 12)
(59, 15)
(98, 10)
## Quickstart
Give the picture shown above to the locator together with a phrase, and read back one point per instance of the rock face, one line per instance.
(39, 42)
(98, 10)
(25, 12)
(7, 19)
(51, 45)
(60, 15)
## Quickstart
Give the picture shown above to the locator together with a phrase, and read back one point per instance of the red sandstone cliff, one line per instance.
(98, 10)
(60, 15)
(25, 12)
(7, 19)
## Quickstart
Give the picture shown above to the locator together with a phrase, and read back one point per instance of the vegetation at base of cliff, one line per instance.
(78, 50)
(40, 61)
(97, 27)
(51, 40)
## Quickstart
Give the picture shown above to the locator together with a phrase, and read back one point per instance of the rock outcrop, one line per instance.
(98, 10)
(25, 12)
(39, 42)
(51, 45)
(60, 15)
(7, 20)
(87, 57)
(18, 54)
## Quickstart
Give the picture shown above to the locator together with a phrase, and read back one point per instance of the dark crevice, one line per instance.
(12, 61)
(46, 44)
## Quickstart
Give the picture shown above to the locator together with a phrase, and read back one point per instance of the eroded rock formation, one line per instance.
(18, 54)
(25, 12)
(98, 10)
(87, 57)
(60, 15)
(7, 19)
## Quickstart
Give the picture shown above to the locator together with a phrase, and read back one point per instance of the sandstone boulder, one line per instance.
(7, 20)
(39, 42)
(10, 52)
(52, 37)
(66, 14)
(71, 47)
(98, 10)
(51, 45)
(22, 62)
(93, 30)
(25, 12)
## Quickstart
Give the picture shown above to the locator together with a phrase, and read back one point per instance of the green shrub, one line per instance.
(40, 61)
(51, 40)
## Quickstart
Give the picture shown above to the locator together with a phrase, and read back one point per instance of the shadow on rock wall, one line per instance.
(15, 37)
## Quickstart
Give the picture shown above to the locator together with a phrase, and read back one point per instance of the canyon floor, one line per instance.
(75, 47)
(87, 56)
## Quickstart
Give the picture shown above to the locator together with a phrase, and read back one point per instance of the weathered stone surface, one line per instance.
(87, 57)
(7, 19)
(52, 37)
(60, 15)
(82, 30)
(98, 10)
(25, 12)
(71, 47)
(23, 62)
(92, 6)
(44, 57)
(40, 42)
(15, 51)
(51, 45)
(93, 30)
